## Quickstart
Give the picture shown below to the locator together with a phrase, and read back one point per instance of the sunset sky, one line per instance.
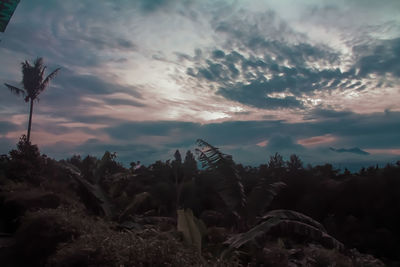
(317, 78)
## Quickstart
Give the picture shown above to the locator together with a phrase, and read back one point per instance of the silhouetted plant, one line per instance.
(230, 187)
(294, 164)
(34, 83)
(25, 163)
(229, 184)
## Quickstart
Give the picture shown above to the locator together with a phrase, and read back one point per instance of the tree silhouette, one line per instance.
(34, 83)
(294, 164)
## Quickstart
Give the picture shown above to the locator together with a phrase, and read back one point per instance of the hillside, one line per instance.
(85, 211)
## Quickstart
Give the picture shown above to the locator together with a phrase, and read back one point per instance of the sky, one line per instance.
(142, 78)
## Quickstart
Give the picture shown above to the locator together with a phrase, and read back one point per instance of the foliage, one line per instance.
(40, 233)
(232, 190)
(192, 228)
(356, 208)
(25, 163)
(93, 195)
(229, 184)
(99, 244)
(261, 197)
(285, 223)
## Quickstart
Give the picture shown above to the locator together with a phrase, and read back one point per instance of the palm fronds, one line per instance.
(229, 185)
(15, 90)
(48, 78)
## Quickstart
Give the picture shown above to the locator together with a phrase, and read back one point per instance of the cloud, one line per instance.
(317, 140)
(263, 76)
(260, 53)
(150, 141)
(6, 126)
(133, 130)
(255, 95)
(381, 57)
(152, 5)
(354, 150)
(263, 55)
(288, 76)
(283, 143)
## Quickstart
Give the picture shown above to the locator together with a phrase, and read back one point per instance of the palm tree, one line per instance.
(34, 83)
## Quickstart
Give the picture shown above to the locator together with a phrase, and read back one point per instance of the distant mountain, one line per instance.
(354, 150)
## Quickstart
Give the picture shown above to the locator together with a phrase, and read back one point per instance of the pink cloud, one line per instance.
(317, 140)
(262, 143)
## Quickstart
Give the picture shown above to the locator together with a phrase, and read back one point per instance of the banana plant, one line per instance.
(93, 194)
(282, 222)
(191, 227)
(229, 184)
(230, 187)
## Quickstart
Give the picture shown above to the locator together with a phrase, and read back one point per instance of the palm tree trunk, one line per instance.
(30, 121)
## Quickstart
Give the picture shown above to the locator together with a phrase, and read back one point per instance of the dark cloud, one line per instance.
(239, 138)
(218, 54)
(321, 113)
(67, 89)
(281, 143)
(255, 95)
(368, 131)
(263, 76)
(258, 60)
(127, 102)
(6, 127)
(152, 5)
(132, 130)
(381, 58)
(378, 130)
(264, 55)
(6, 144)
(354, 150)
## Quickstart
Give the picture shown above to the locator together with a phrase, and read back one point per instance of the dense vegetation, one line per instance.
(86, 211)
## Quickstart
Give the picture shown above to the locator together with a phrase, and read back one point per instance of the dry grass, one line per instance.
(99, 244)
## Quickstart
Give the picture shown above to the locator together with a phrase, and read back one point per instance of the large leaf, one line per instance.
(261, 197)
(141, 203)
(92, 195)
(293, 216)
(7, 8)
(284, 222)
(192, 228)
(229, 183)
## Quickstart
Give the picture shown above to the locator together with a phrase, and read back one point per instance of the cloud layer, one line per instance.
(143, 78)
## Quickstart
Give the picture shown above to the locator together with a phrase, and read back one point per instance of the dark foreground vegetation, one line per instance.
(94, 212)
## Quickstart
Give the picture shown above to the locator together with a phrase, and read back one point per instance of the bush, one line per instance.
(25, 163)
(39, 235)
